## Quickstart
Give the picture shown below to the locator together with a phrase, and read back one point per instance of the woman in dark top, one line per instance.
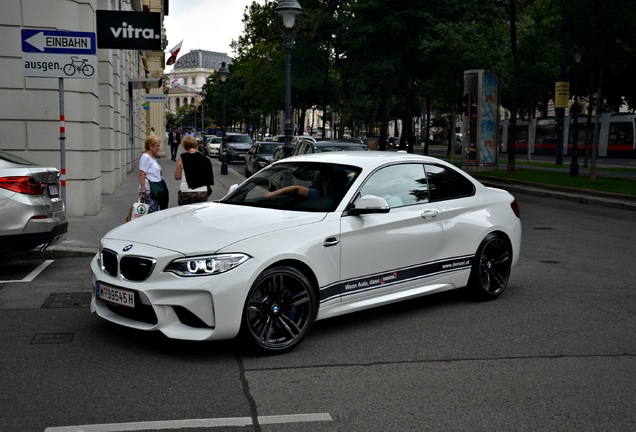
(195, 172)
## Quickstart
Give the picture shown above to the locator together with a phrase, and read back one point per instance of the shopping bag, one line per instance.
(137, 210)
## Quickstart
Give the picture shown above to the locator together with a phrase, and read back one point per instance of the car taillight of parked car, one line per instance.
(515, 207)
(23, 184)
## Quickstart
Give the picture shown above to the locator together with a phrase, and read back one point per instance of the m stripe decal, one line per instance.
(381, 280)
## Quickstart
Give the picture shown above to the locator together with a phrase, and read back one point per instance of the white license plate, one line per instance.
(53, 190)
(114, 295)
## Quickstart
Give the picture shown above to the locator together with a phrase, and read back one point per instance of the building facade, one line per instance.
(104, 122)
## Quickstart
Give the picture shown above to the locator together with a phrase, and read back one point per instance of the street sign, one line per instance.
(156, 98)
(58, 42)
(59, 65)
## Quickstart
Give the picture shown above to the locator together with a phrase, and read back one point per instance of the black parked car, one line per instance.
(237, 146)
(320, 146)
(259, 156)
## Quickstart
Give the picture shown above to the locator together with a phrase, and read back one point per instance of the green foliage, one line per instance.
(373, 60)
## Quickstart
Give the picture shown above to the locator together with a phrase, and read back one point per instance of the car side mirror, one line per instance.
(369, 204)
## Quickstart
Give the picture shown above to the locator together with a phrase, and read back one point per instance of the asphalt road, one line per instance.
(556, 352)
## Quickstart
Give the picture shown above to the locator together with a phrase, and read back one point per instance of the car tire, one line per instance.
(279, 311)
(491, 269)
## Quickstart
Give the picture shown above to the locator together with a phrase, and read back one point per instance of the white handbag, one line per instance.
(137, 210)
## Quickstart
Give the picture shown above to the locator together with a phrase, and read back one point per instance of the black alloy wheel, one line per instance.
(279, 311)
(491, 270)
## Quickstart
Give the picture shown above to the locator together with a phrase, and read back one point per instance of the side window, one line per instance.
(446, 183)
(400, 185)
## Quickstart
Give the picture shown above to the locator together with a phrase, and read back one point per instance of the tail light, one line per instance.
(514, 205)
(23, 184)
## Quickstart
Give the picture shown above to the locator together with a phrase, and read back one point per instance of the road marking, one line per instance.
(33, 274)
(193, 423)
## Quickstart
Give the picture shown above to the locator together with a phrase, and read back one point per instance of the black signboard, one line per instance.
(129, 30)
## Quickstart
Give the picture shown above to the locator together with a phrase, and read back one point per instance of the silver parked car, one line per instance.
(33, 212)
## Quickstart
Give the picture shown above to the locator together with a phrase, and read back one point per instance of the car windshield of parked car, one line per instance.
(331, 148)
(299, 186)
(239, 139)
(267, 148)
(13, 159)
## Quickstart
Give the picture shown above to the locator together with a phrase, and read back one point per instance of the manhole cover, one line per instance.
(68, 300)
(52, 338)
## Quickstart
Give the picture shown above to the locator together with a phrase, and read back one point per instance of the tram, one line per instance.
(617, 137)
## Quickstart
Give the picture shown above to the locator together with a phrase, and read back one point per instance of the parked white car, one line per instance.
(31, 206)
(213, 145)
(307, 238)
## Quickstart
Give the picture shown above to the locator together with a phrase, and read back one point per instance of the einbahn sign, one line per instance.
(59, 54)
(58, 42)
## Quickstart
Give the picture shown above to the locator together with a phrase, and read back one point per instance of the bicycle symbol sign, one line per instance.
(59, 65)
(78, 65)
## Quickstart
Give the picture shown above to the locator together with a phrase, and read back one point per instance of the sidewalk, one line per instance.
(85, 232)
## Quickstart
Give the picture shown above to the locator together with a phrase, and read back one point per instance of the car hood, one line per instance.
(207, 227)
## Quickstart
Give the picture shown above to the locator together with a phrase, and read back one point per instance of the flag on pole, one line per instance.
(174, 52)
(175, 82)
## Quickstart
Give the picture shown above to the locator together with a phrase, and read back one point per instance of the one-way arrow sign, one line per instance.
(58, 42)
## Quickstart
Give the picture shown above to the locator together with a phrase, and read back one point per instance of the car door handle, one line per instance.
(429, 214)
(330, 241)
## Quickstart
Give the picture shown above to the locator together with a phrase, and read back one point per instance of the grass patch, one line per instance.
(560, 178)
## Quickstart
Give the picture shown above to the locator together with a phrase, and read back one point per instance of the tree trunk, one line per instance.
(512, 129)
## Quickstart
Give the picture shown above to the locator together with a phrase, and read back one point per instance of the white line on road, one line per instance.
(192, 423)
(33, 274)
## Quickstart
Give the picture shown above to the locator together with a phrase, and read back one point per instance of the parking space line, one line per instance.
(33, 274)
(192, 423)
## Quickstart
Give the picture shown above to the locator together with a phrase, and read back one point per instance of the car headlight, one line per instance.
(206, 265)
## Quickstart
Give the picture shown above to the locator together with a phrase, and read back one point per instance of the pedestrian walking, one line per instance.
(195, 172)
(174, 139)
(152, 187)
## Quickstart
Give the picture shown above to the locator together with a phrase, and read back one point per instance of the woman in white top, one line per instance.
(195, 172)
(150, 171)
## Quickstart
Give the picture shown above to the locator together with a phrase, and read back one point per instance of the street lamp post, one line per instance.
(193, 108)
(203, 108)
(574, 111)
(224, 72)
(288, 10)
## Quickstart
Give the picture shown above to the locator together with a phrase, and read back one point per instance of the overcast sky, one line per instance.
(204, 24)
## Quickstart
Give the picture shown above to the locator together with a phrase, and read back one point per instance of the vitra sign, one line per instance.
(129, 30)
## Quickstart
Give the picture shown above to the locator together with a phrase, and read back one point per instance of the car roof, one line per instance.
(364, 159)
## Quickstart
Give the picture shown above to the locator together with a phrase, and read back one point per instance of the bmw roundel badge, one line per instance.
(127, 248)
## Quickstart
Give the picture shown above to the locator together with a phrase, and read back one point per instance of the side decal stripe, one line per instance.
(385, 279)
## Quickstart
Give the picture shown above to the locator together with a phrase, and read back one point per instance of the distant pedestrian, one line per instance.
(195, 172)
(190, 133)
(174, 138)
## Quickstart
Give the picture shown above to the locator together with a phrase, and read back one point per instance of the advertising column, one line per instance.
(481, 117)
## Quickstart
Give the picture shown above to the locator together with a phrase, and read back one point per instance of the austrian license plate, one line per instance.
(53, 190)
(114, 295)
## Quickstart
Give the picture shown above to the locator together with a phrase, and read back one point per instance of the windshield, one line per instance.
(239, 139)
(268, 148)
(299, 186)
(8, 157)
(339, 147)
